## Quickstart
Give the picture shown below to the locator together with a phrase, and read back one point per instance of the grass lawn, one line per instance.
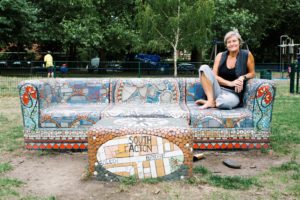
(280, 182)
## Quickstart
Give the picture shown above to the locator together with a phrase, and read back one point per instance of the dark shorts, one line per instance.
(50, 69)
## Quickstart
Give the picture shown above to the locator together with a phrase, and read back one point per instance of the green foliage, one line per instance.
(285, 127)
(174, 24)
(232, 182)
(129, 181)
(201, 170)
(228, 17)
(151, 180)
(17, 21)
(167, 20)
(11, 134)
(227, 182)
(289, 166)
(38, 198)
(4, 167)
(7, 186)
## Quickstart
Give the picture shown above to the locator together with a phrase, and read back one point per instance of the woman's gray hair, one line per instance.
(233, 33)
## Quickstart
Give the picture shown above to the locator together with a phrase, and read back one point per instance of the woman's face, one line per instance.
(233, 43)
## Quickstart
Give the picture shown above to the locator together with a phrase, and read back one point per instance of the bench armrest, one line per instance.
(34, 95)
(259, 99)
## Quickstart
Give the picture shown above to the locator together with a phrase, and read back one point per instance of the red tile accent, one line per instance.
(49, 146)
(195, 146)
(82, 146)
(75, 146)
(244, 146)
(230, 146)
(55, 146)
(224, 146)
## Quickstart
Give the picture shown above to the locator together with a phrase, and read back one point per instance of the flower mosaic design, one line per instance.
(264, 92)
(263, 106)
(29, 94)
(29, 97)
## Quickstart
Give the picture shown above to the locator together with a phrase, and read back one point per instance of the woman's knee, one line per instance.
(203, 68)
(227, 101)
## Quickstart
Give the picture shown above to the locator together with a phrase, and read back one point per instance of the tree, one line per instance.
(228, 17)
(17, 22)
(177, 24)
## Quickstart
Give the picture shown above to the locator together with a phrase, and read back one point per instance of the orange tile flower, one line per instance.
(265, 90)
(29, 92)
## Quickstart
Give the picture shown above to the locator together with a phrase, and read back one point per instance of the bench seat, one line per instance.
(71, 115)
(216, 118)
(146, 110)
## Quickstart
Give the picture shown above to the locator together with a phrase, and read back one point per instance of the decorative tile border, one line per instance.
(55, 145)
(222, 145)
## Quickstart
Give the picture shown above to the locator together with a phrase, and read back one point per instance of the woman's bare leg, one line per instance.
(208, 89)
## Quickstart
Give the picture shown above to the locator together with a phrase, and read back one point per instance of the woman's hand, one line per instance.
(238, 84)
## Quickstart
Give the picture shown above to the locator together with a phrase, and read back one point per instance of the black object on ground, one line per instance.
(232, 164)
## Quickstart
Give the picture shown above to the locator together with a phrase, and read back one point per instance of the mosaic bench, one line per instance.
(141, 147)
(57, 113)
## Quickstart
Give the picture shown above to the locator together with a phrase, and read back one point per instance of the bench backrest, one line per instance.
(74, 91)
(146, 90)
(194, 90)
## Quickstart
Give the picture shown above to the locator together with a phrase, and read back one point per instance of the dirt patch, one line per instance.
(252, 162)
(63, 175)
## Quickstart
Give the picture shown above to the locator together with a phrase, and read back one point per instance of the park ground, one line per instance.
(265, 174)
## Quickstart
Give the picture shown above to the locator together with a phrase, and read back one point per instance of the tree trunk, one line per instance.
(175, 61)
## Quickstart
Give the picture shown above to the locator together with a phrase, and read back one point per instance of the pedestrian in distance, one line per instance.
(48, 64)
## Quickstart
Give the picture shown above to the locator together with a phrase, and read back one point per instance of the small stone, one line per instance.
(253, 166)
(157, 191)
(232, 164)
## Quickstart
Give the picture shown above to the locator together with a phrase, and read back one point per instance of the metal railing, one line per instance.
(114, 68)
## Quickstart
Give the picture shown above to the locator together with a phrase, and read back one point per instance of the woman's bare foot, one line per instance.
(207, 105)
(200, 101)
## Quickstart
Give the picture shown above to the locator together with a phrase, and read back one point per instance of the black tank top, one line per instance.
(228, 74)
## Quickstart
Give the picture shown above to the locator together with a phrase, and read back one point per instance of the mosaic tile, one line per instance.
(140, 156)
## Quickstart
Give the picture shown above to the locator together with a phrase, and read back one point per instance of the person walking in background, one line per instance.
(48, 63)
(224, 84)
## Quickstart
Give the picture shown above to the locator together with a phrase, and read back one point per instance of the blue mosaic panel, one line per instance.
(71, 115)
(194, 90)
(216, 118)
